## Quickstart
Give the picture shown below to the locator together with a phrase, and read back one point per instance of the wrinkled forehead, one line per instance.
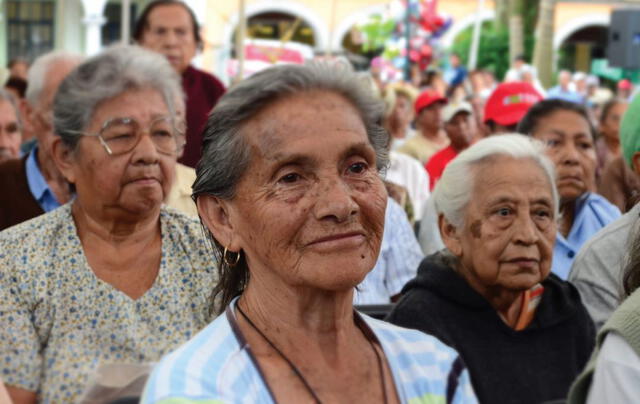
(295, 117)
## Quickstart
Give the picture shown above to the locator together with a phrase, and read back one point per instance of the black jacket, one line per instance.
(534, 365)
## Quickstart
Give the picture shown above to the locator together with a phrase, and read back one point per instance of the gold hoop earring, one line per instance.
(226, 260)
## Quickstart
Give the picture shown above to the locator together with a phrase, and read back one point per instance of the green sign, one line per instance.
(600, 67)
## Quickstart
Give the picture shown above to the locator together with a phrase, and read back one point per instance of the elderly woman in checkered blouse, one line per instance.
(290, 191)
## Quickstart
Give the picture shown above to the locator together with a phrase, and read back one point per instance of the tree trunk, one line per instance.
(502, 13)
(543, 49)
(516, 29)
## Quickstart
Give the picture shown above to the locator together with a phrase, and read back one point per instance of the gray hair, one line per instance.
(37, 74)
(453, 192)
(226, 155)
(7, 96)
(107, 75)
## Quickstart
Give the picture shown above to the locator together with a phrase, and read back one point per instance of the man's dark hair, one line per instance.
(545, 108)
(18, 84)
(142, 24)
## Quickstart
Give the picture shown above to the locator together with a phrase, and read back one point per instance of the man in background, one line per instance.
(460, 127)
(33, 184)
(563, 90)
(507, 105)
(429, 136)
(170, 27)
(10, 128)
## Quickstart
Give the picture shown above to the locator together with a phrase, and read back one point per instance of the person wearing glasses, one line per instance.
(33, 184)
(113, 276)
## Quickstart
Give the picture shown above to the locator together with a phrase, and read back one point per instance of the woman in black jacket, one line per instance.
(523, 333)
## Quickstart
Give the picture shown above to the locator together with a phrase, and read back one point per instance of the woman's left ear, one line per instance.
(63, 157)
(449, 236)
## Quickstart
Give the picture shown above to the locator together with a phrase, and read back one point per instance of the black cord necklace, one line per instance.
(297, 371)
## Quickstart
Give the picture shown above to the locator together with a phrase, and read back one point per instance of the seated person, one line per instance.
(620, 184)
(397, 262)
(10, 127)
(34, 185)
(522, 332)
(297, 220)
(598, 268)
(567, 131)
(429, 137)
(112, 276)
(507, 105)
(608, 142)
(459, 125)
(613, 373)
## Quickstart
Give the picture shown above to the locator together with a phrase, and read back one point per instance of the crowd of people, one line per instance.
(166, 240)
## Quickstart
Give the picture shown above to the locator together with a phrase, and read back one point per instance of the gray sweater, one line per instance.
(597, 270)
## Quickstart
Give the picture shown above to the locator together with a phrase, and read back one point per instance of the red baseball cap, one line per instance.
(509, 103)
(427, 98)
(624, 84)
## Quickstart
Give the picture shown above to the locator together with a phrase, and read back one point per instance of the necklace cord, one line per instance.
(297, 371)
(291, 365)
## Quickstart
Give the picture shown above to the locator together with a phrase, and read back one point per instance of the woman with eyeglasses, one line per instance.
(113, 276)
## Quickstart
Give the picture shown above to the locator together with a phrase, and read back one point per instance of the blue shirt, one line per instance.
(38, 185)
(593, 212)
(568, 95)
(400, 255)
(217, 366)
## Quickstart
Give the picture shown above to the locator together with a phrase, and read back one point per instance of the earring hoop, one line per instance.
(226, 260)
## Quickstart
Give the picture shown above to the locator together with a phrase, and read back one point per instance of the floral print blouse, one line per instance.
(59, 322)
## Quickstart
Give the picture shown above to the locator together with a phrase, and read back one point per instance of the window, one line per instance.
(30, 28)
(111, 29)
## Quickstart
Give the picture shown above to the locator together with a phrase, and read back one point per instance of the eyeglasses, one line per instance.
(121, 135)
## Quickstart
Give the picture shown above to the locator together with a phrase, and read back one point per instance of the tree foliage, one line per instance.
(493, 50)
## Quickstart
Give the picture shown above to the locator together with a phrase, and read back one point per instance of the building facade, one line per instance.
(31, 27)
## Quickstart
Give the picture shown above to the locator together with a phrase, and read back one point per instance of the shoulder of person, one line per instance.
(11, 166)
(32, 252)
(602, 207)
(420, 304)
(611, 238)
(411, 341)
(199, 369)
(183, 225)
(38, 229)
(408, 162)
(208, 80)
(561, 303)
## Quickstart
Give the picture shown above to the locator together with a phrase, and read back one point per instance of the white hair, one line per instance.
(453, 192)
(40, 68)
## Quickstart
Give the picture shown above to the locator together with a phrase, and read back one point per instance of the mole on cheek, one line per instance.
(476, 229)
